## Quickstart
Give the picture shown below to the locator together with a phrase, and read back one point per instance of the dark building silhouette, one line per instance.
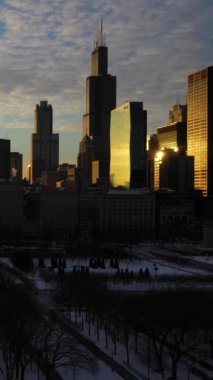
(177, 214)
(153, 143)
(71, 173)
(11, 209)
(45, 144)
(49, 178)
(200, 127)
(117, 214)
(4, 159)
(128, 145)
(176, 171)
(100, 100)
(85, 158)
(62, 171)
(16, 166)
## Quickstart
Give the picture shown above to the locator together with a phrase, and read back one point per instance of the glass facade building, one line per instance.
(200, 128)
(174, 134)
(128, 145)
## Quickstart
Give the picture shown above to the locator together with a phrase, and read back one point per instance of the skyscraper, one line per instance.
(152, 146)
(178, 113)
(45, 144)
(4, 159)
(128, 145)
(176, 171)
(85, 156)
(174, 135)
(200, 128)
(16, 165)
(100, 100)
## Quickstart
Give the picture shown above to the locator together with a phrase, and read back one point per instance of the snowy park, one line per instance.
(101, 317)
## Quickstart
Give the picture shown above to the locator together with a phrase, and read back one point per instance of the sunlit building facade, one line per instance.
(200, 128)
(174, 134)
(156, 169)
(128, 146)
(152, 149)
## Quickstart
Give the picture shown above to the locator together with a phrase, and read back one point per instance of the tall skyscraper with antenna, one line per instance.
(100, 100)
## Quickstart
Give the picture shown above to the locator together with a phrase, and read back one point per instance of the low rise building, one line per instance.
(130, 213)
(176, 214)
(59, 214)
(11, 209)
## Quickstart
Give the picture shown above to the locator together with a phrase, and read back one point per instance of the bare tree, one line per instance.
(59, 349)
(180, 341)
(158, 335)
(126, 336)
(8, 367)
(113, 331)
(145, 352)
(17, 323)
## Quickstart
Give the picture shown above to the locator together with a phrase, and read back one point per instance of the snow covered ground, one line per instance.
(158, 268)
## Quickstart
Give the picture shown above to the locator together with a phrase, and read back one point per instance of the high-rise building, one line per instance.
(178, 113)
(128, 145)
(16, 166)
(85, 157)
(200, 128)
(4, 159)
(173, 170)
(100, 100)
(62, 171)
(71, 173)
(152, 143)
(45, 143)
(174, 134)
(11, 210)
(152, 149)
(176, 171)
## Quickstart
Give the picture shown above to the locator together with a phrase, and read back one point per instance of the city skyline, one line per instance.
(45, 55)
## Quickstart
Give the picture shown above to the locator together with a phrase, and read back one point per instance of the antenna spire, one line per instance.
(100, 39)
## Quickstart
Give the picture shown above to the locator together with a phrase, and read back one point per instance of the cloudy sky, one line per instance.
(45, 54)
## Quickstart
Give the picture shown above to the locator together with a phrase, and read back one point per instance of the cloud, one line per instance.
(45, 49)
(68, 127)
